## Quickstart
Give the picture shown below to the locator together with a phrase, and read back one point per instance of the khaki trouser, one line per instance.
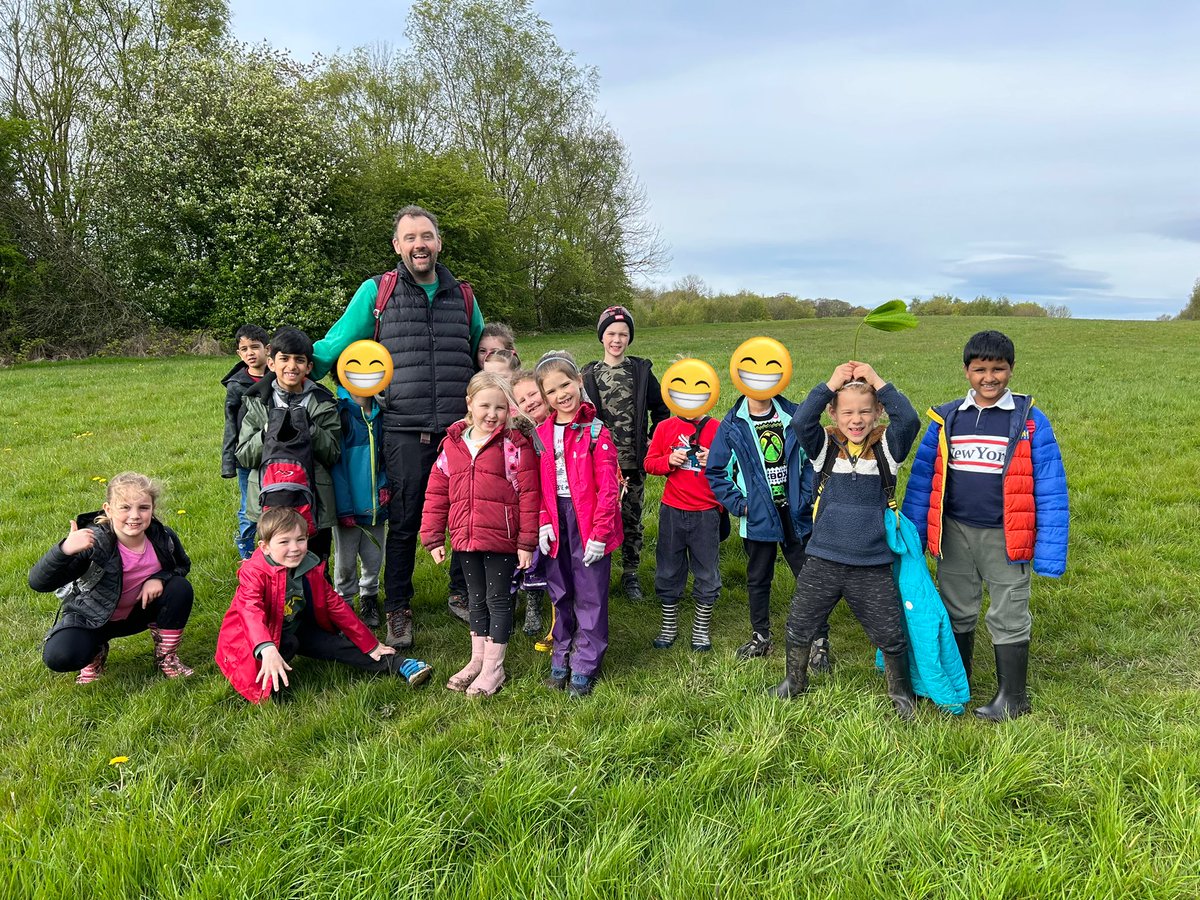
(971, 557)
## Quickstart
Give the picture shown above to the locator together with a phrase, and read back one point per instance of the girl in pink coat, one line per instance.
(580, 523)
(484, 486)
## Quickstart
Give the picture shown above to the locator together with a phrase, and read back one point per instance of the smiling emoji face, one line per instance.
(365, 368)
(761, 368)
(690, 388)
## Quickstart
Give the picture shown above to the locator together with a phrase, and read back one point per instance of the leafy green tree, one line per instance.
(69, 66)
(510, 95)
(381, 103)
(827, 308)
(54, 299)
(476, 238)
(215, 201)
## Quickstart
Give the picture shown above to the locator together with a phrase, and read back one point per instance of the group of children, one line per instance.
(542, 481)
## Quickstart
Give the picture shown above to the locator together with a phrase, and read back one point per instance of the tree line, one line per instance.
(689, 301)
(156, 172)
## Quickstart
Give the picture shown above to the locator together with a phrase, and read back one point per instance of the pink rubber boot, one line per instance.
(461, 679)
(94, 670)
(491, 678)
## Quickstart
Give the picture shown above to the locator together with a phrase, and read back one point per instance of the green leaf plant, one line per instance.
(890, 316)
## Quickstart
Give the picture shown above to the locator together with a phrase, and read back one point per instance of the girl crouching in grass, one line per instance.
(484, 485)
(118, 572)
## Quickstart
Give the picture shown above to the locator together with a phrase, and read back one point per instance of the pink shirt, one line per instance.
(136, 568)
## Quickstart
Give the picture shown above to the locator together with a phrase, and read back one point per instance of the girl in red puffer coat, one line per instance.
(484, 487)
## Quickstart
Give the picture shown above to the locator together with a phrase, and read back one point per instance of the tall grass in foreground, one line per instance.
(679, 778)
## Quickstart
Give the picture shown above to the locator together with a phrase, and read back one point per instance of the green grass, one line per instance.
(679, 777)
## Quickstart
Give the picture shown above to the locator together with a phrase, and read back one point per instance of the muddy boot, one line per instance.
(399, 629)
(632, 587)
(533, 613)
(1012, 665)
(795, 681)
(462, 679)
(820, 656)
(459, 608)
(558, 678)
(491, 677)
(966, 649)
(369, 610)
(899, 684)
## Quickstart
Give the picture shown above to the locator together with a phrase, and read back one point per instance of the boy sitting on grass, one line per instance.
(988, 494)
(284, 606)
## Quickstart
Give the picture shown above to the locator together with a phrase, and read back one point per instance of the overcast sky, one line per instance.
(871, 150)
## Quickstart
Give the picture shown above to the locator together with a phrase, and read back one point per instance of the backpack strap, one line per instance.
(512, 461)
(468, 293)
(383, 293)
(831, 455)
(886, 476)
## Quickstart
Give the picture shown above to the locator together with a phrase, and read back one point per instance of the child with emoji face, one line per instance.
(760, 473)
(689, 518)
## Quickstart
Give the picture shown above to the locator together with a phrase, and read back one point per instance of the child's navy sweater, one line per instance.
(848, 521)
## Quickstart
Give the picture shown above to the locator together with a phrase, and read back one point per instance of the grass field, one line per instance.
(679, 777)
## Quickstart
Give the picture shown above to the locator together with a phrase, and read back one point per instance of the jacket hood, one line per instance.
(235, 372)
(266, 387)
(342, 394)
(741, 408)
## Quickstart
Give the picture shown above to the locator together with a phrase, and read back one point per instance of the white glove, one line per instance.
(545, 539)
(593, 552)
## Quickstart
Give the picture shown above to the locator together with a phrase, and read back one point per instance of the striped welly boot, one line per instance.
(166, 651)
(95, 669)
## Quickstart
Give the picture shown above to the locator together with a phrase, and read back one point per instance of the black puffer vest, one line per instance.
(430, 344)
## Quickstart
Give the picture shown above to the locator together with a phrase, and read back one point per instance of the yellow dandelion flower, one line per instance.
(117, 760)
(181, 512)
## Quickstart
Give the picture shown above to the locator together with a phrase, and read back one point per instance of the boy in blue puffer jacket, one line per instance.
(988, 495)
(361, 495)
(760, 473)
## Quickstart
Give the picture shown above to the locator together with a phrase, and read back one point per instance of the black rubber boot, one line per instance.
(795, 681)
(1012, 664)
(369, 612)
(966, 648)
(899, 684)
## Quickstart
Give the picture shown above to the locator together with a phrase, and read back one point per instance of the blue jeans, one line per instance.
(246, 528)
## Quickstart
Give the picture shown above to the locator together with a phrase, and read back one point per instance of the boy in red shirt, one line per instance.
(689, 525)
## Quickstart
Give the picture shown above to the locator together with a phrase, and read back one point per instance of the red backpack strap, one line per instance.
(468, 293)
(383, 293)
